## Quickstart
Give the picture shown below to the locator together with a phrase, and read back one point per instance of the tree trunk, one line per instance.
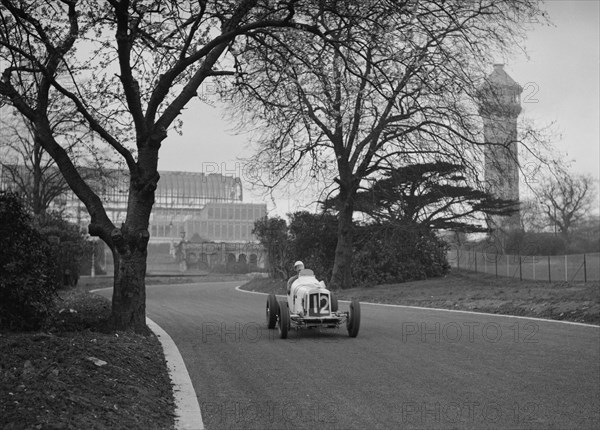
(130, 245)
(36, 200)
(129, 292)
(130, 252)
(341, 276)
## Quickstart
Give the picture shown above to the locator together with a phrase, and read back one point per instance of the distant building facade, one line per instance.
(189, 207)
(202, 208)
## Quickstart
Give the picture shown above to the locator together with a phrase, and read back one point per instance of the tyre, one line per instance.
(353, 321)
(272, 310)
(283, 322)
(334, 302)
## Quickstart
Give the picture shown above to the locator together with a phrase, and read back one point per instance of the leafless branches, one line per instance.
(392, 83)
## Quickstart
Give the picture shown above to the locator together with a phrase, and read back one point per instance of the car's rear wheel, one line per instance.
(283, 322)
(353, 321)
(272, 309)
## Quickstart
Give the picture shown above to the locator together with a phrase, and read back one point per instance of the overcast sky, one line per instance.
(560, 79)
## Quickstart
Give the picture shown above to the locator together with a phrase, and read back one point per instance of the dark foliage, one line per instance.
(435, 195)
(531, 243)
(393, 253)
(272, 233)
(585, 237)
(525, 243)
(383, 253)
(28, 269)
(313, 238)
(68, 245)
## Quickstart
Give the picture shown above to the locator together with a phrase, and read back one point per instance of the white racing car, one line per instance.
(309, 304)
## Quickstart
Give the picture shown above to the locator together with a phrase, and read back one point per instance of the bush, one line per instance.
(385, 254)
(313, 238)
(28, 269)
(526, 243)
(382, 253)
(273, 235)
(586, 236)
(68, 246)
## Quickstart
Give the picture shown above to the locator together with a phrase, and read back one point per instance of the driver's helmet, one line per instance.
(298, 265)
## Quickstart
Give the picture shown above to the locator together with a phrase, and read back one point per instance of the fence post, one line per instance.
(566, 269)
(507, 266)
(549, 274)
(496, 263)
(93, 272)
(533, 266)
(485, 262)
(457, 258)
(520, 269)
(584, 270)
(475, 255)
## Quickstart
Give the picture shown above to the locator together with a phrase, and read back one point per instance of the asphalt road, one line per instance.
(407, 369)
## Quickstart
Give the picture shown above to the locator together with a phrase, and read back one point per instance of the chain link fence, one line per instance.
(551, 268)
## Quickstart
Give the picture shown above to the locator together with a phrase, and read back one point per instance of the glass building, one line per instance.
(192, 206)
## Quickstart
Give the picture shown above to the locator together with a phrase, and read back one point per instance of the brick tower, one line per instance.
(499, 107)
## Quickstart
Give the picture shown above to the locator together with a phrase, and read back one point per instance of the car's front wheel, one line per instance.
(334, 302)
(353, 321)
(272, 309)
(283, 322)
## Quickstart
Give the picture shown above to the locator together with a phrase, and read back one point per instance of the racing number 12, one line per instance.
(315, 303)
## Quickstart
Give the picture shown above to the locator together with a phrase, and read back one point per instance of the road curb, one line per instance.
(238, 288)
(187, 409)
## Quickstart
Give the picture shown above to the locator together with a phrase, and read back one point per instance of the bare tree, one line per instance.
(127, 68)
(566, 200)
(26, 166)
(395, 83)
(30, 173)
(531, 216)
